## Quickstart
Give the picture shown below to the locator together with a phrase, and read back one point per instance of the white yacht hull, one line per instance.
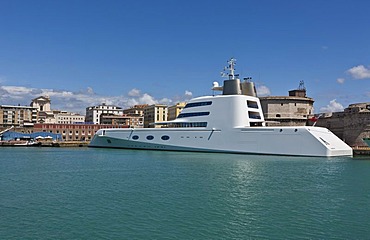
(292, 141)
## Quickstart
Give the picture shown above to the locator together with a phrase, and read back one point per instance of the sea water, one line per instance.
(86, 193)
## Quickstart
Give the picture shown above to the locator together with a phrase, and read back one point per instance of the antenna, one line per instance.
(301, 85)
(231, 67)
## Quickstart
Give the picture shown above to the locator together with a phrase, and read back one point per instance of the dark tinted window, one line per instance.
(193, 114)
(198, 104)
(165, 137)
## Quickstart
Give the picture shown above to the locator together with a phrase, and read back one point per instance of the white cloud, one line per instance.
(17, 90)
(78, 101)
(74, 101)
(340, 80)
(165, 101)
(263, 91)
(188, 93)
(90, 90)
(147, 99)
(333, 106)
(359, 72)
(134, 92)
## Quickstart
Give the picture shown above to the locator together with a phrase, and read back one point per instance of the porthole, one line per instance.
(135, 137)
(149, 137)
(165, 137)
(109, 141)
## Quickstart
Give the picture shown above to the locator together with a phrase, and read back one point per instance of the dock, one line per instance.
(361, 151)
(44, 144)
(66, 144)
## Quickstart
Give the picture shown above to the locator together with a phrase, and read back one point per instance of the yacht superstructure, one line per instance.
(232, 122)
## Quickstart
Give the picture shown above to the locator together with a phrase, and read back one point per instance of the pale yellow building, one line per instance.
(175, 110)
(69, 118)
(153, 114)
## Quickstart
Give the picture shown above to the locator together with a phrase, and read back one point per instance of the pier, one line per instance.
(44, 144)
(361, 151)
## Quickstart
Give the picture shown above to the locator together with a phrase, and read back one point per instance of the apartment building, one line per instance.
(153, 114)
(136, 110)
(69, 118)
(17, 116)
(93, 113)
(125, 120)
(175, 110)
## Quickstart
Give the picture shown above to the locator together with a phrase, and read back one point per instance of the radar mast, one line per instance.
(231, 68)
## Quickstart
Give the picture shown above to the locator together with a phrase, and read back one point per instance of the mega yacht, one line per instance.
(231, 122)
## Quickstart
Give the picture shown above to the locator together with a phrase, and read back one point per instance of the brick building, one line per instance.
(73, 132)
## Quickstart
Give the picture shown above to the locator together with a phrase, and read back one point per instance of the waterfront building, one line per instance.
(175, 110)
(73, 132)
(17, 116)
(352, 125)
(136, 110)
(46, 115)
(42, 103)
(69, 118)
(292, 110)
(126, 120)
(93, 113)
(137, 115)
(43, 112)
(153, 114)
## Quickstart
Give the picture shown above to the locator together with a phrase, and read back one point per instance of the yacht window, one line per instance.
(165, 137)
(256, 124)
(135, 137)
(254, 115)
(198, 104)
(149, 137)
(193, 114)
(252, 104)
(189, 124)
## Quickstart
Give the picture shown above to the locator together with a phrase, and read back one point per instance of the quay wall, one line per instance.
(351, 125)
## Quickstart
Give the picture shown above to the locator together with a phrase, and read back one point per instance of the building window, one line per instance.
(278, 115)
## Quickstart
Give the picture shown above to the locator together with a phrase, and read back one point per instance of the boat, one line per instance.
(367, 141)
(21, 143)
(231, 122)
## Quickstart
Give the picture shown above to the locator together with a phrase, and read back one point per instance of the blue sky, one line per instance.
(83, 53)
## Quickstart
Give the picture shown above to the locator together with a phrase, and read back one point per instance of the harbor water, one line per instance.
(87, 193)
